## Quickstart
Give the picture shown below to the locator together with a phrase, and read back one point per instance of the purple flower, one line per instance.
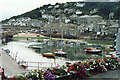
(52, 78)
(56, 67)
(46, 75)
(75, 62)
(49, 74)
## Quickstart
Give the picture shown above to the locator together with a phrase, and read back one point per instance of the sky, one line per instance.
(9, 8)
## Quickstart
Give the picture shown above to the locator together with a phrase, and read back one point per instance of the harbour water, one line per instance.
(20, 51)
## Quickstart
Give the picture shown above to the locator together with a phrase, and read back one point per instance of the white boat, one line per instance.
(45, 40)
(93, 51)
(59, 52)
(50, 43)
(36, 47)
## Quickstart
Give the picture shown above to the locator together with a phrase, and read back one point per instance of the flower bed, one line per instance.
(76, 70)
(94, 65)
(31, 75)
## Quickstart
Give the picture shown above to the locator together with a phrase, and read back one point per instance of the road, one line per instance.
(10, 66)
(109, 75)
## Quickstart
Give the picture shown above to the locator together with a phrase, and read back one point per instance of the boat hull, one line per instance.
(58, 54)
(48, 55)
(93, 52)
(35, 47)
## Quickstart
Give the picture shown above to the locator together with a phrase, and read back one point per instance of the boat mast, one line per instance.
(61, 32)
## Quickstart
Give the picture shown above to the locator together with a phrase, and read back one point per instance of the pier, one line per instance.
(10, 66)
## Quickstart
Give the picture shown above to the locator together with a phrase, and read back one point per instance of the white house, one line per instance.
(56, 6)
(80, 4)
(67, 20)
(78, 12)
(113, 29)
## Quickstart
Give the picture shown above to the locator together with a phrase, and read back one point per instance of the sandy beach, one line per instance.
(27, 35)
(35, 35)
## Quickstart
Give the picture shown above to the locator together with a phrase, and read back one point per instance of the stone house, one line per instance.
(113, 29)
(89, 21)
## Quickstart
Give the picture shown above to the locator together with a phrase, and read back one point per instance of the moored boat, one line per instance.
(49, 43)
(112, 50)
(36, 47)
(98, 46)
(94, 51)
(59, 52)
(48, 55)
(88, 48)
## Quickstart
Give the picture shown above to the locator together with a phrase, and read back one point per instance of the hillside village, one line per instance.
(72, 19)
(73, 40)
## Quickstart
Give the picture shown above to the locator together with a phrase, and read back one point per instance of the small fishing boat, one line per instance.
(49, 43)
(111, 50)
(36, 47)
(94, 51)
(88, 48)
(45, 41)
(79, 43)
(98, 46)
(48, 55)
(59, 52)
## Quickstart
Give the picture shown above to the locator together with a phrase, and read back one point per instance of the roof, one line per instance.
(114, 26)
(106, 28)
(102, 23)
(95, 16)
(85, 16)
(79, 12)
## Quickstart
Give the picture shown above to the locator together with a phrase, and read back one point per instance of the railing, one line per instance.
(31, 65)
(37, 65)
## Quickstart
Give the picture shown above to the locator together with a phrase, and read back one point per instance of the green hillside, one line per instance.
(104, 8)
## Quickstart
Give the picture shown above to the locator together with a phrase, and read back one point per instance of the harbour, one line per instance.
(33, 59)
(26, 50)
(61, 41)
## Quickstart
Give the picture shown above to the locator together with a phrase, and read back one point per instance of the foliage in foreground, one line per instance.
(76, 70)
